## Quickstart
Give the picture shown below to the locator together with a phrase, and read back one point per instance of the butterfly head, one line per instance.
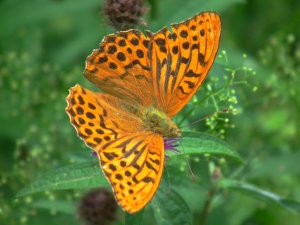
(172, 130)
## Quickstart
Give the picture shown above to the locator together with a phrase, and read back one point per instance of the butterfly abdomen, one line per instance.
(157, 121)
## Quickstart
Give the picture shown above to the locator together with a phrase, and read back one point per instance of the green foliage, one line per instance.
(174, 211)
(247, 111)
(81, 175)
(198, 143)
(135, 219)
(256, 192)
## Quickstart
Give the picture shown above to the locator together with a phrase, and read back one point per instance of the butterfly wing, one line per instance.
(131, 159)
(163, 69)
(135, 174)
(120, 67)
(181, 60)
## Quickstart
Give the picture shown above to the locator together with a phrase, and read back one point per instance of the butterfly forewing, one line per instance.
(182, 60)
(164, 69)
(131, 158)
(120, 67)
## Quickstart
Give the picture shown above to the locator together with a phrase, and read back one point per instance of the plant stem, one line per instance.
(207, 206)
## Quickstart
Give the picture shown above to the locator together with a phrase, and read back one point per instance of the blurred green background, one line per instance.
(43, 46)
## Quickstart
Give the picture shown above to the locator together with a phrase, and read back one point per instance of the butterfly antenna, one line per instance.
(188, 163)
(207, 116)
(168, 177)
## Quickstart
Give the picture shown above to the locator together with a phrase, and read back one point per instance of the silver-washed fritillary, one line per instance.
(145, 81)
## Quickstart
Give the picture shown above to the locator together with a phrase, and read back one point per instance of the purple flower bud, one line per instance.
(170, 144)
(124, 14)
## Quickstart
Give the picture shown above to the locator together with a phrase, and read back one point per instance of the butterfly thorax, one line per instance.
(158, 122)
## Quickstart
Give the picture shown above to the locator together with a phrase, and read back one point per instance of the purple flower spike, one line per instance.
(170, 144)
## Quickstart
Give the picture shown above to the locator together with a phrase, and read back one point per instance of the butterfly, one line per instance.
(145, 80)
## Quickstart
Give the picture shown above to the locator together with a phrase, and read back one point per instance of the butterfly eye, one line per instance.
(174, 132)
(154, 118)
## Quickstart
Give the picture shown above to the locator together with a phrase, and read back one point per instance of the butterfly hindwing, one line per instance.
(136, 174)
(132, 159)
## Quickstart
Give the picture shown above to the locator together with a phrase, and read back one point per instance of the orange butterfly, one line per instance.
(146, 80)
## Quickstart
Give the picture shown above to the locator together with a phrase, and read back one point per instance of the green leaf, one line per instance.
(259, 193)
(170, 209)
(81, 175)
(199, 143)
(56, 205)
(134, 219)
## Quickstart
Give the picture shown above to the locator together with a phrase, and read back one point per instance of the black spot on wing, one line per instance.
(149, 165)
(148, 180)
(190, 84)
(191, 73)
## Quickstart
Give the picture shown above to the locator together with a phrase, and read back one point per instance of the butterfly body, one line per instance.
(152, 119)
(158, 122)
(145, 79)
